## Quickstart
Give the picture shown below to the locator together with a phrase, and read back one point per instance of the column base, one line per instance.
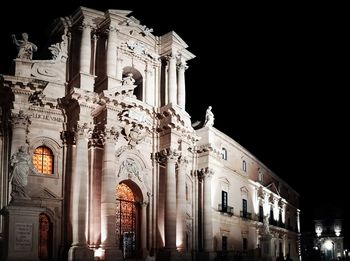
(80, 253)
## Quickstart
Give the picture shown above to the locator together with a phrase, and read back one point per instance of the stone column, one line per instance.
(181, 204)
(108, 198)
(144, 228)
(79, 249)
(149, 85)
(171, 157)
(181, 91)
(112, 52)
(207, 211)
(20, 122)
(172, 84)
(85, 48)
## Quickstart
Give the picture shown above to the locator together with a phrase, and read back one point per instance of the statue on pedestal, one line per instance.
(266, 225)
(25, 48)
(21, 164)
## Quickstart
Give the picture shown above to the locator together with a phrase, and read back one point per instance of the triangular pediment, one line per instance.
(272, 187)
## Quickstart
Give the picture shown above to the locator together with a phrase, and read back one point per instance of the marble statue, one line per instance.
(21, 164)
(128, 80)
(25, 48)
(209, 117)
(266, 225)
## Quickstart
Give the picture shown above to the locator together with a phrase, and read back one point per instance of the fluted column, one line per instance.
(144, 226)
(181, 204)
(149, 85)
(112, 52)
(108, 197)
(172, 83)
(207, 212)
(181, 90)
(85, 48)
(80, 171)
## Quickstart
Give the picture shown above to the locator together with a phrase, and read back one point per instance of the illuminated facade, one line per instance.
(99, 158)
(329, 238)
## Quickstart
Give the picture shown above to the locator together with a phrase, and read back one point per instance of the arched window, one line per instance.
(43, 160)
(224, 154)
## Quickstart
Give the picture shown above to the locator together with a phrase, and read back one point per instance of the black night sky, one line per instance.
(276, 77)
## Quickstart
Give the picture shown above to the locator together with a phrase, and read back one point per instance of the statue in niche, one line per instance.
(25, 48)
(128, 79)
(209, 117)
(21, 164)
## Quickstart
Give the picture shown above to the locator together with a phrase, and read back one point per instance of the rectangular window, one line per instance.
(224, 201)
(244, 166)
(224, 243)
(244, 207)
(261, 213)
(245, 244)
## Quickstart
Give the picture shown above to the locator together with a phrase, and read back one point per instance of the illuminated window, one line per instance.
(43, 160)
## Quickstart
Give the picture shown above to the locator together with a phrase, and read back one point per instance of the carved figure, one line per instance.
(25, 48)
(21, 164)
(134, 135)
(128, 80)
(266, 225)
(209, 117)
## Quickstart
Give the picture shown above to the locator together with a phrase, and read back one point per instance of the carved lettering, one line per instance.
(45, 117)
(23, 236)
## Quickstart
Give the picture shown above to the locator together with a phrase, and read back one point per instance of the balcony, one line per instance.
(246, 215)
(227, 210)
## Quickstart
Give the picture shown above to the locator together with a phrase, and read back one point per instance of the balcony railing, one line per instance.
(228, 209)
(246, 215)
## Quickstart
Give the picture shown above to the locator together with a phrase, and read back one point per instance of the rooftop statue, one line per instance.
(25, 48)
(209, 117)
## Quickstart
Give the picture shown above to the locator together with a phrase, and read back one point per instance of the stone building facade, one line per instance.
(99, 158)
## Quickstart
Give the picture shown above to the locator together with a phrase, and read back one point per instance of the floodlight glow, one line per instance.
(328, 245)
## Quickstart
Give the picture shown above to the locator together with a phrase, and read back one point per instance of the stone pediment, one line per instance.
(272, 187)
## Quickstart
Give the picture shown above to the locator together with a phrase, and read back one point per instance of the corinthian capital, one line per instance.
(87, 24)
(111, 133)
(205, 173)
(182, 66)
(84, 130)
(20, 120)
(170, 58)
(167, 155)
(183, 161)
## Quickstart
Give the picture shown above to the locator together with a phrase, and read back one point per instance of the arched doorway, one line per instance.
(45, 237)
(128, 196)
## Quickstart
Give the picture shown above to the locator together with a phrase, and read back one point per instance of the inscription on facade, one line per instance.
(23, 236)
(46, 117)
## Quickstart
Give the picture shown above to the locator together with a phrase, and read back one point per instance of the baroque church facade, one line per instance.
(99, 160)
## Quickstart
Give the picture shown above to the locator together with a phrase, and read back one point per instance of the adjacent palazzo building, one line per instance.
(99, 158)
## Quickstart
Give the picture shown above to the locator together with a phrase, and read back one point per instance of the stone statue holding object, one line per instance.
(209, 117)
(128, 80)
(22, 165)
(266, 225)
(25, 48)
